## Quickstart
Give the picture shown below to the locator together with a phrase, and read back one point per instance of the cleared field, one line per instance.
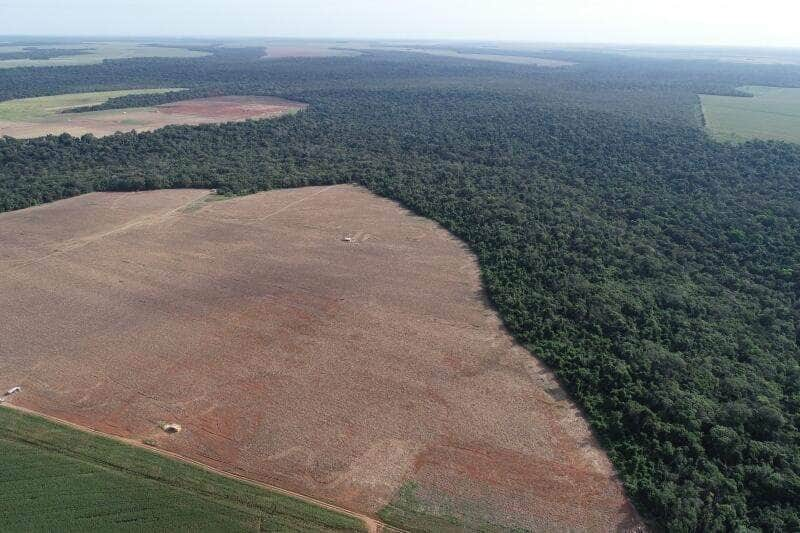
(44, 107)
(299, 51)
(754, 56)
(773, 113)
(319, 339)
(97, 52)
(497, 58)
(36, 117)
(53, 477)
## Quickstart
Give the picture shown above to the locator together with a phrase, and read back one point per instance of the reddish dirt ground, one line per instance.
(230, 108)
(341, 370)
(212, 110)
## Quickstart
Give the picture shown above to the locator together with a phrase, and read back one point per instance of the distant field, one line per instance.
(55, 478)
(772, 113)
(280, 51)
(96, 53)
(497, 58)
(754, 56)
(48, 107)
(36, 117)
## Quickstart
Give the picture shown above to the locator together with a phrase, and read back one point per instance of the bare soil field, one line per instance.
(188, 112)
(320, 339)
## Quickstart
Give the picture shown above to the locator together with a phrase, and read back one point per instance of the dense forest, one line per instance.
(655, 270)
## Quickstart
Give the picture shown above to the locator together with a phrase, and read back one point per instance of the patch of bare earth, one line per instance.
(211, 110)
(320, 339)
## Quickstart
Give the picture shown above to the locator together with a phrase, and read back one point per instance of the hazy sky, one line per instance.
(733, 22)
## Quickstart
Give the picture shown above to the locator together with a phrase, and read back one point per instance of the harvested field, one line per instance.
(320, 339)
(44, 118)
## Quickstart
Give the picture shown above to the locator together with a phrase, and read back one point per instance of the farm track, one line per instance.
(75, 244)
(372, 524)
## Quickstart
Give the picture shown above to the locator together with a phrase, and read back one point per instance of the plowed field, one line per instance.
(320, 339)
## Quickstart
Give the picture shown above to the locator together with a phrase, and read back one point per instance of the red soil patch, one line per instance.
(342, 370)
(231, 108)
(188, 112)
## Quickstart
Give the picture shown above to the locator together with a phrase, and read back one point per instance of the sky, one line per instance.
(680, 22)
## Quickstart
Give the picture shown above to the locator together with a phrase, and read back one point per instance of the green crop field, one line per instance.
(43, 107)
(55, 478)
(96, 53)
(773, 113)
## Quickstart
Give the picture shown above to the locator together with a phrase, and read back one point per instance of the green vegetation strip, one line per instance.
(42, 107)
(772, 113)
(53, 477)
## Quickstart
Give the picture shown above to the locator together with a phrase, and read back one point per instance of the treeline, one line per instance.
(656, 271)
(146, 100)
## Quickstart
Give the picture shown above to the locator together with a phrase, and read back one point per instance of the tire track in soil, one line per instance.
(75, 244)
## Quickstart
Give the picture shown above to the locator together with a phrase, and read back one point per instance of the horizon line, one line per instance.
(111, 37)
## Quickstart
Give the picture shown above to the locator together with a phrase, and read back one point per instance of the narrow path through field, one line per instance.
(74, 244)
(291, 204)
(373, 525)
